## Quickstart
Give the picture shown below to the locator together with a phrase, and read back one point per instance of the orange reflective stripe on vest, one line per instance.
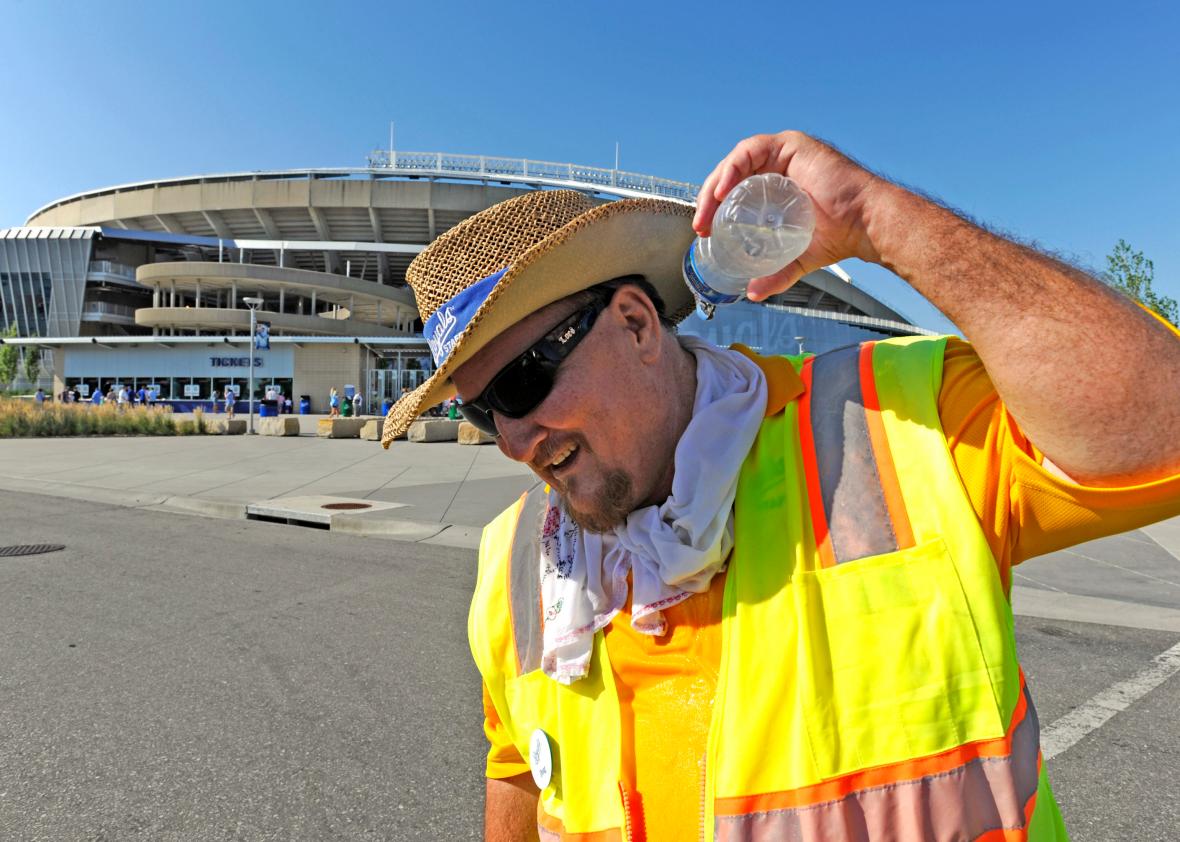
(962, 794)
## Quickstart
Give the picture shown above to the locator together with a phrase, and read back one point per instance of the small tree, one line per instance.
(1132, 273)
(9, 359)
(32, 364)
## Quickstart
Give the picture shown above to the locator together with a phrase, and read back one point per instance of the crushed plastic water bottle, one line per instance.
(763, 224)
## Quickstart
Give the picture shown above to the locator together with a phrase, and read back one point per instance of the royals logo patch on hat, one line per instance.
(449, 321)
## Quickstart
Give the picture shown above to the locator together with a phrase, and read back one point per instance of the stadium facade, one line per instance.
(151, 283)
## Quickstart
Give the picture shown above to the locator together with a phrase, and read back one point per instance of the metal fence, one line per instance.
(467, 166)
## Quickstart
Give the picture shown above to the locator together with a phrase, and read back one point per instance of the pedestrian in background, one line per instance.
(333, 403)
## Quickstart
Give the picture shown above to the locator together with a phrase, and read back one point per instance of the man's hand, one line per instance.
(1089, 376)
(839, 189)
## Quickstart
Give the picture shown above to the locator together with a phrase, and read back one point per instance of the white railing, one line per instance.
(111, 267)
(489, 166)
(103, 308)
(888, 325)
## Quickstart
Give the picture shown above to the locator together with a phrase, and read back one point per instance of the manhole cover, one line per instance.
(337, 506)
(30, 549)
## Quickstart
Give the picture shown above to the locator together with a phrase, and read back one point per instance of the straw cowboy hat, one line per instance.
(498, 266)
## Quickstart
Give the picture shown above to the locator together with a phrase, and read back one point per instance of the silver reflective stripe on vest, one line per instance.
(985, 794)
(525, 581)
(854, 504)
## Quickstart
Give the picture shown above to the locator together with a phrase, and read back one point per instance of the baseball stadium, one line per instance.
(154, 283)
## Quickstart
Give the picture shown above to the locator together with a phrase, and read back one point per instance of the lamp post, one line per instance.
(253, 304)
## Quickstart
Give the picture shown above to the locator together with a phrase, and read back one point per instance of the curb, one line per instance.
(400, 530)
(442, 534)
(87, 493)
(464, 537)
(206, 508)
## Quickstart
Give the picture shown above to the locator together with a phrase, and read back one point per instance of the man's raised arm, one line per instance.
(1092, 379)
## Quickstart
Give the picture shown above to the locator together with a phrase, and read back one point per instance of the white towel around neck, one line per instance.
(671, 550)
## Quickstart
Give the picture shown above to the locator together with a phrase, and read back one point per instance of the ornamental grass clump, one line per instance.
(25, 419)
(197, 426)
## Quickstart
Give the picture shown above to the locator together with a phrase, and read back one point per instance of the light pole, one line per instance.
(253, 304)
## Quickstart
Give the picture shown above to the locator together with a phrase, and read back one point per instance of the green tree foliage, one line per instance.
(1132, 273)
(32, 364)
(9, 360)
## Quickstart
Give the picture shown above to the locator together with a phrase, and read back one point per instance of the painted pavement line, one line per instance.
(1064, 733)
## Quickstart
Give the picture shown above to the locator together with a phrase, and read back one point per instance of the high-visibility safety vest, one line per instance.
(868, 686)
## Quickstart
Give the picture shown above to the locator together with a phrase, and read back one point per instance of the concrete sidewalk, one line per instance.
(439, 492)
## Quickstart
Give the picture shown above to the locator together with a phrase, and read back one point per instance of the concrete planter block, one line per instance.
(470, 434)
(225, 427)
(339, 428)
(280, 426)
(371, 430)
(433, 429)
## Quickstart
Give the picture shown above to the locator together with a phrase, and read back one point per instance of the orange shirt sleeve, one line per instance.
(1025, 510)
(504, 761)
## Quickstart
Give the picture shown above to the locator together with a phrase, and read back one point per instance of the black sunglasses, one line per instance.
(519, 387)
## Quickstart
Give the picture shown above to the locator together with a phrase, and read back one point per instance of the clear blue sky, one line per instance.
(1059, 121)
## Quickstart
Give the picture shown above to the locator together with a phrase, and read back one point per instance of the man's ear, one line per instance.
(640, 318)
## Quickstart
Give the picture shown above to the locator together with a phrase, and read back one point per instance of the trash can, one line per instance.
(386, 405)
(346, 407)
(453, 411)
(304, 405)
(268, 409)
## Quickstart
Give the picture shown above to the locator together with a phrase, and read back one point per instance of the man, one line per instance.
(767, 598)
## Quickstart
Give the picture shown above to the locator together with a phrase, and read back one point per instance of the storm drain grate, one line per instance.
(30, 549)
(339, 506)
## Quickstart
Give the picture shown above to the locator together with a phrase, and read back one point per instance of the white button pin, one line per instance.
(540, 759)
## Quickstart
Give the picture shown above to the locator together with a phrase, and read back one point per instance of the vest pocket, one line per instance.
(891, 663)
